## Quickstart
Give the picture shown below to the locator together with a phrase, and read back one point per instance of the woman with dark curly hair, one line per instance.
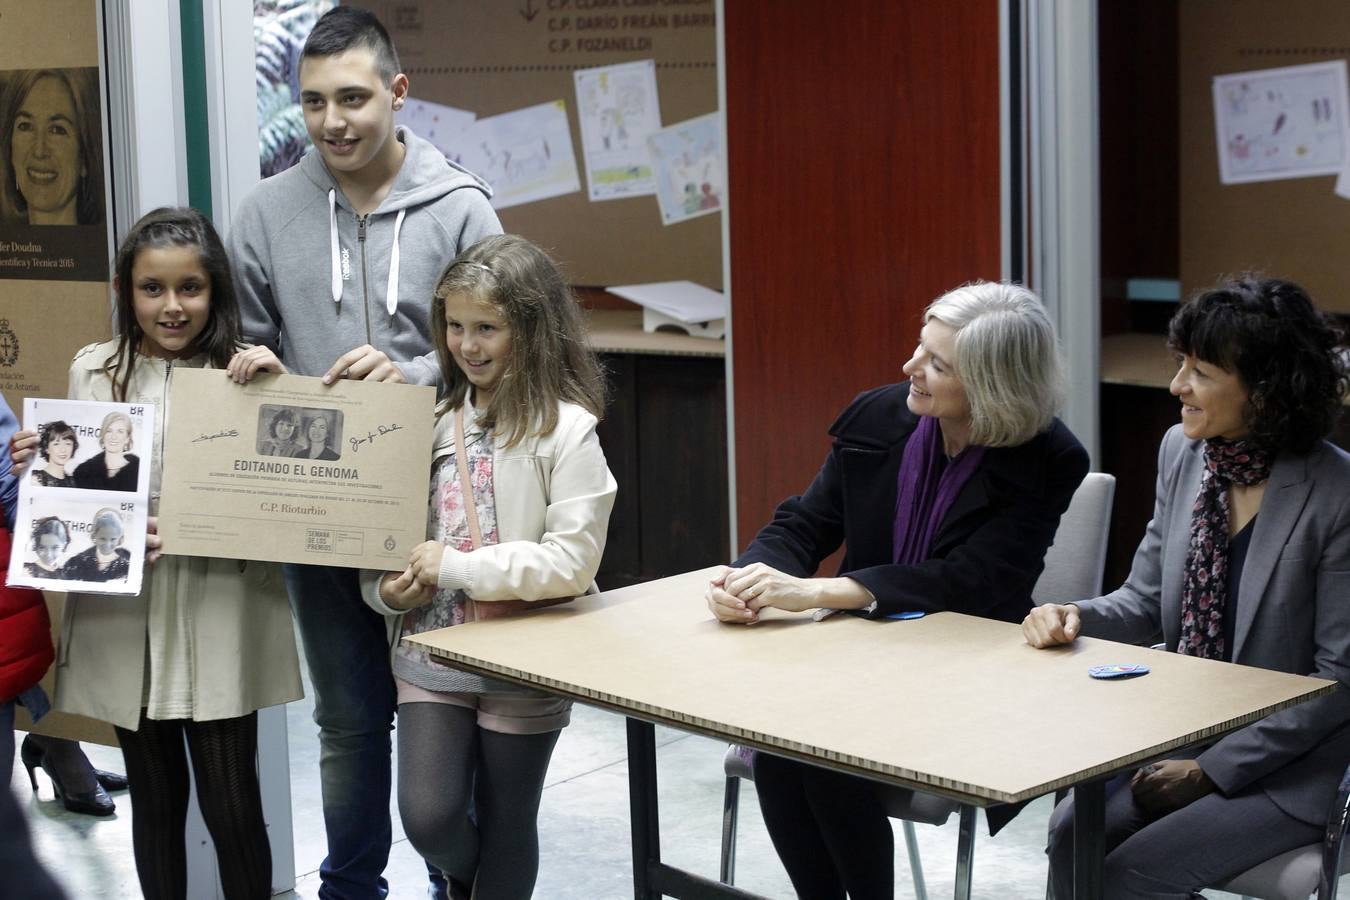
(1246, 560)
(284, 431)
(56, 445)
(51, 537)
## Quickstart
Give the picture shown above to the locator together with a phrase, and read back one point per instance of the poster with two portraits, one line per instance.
(84, 500)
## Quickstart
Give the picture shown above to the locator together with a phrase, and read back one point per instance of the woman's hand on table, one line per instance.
(425, 562)
(402, 590)
(247, 363)
(1051, 624)
(1169, 785)
(22, 446)
(737, 595)
(723, 605)
(758, 586)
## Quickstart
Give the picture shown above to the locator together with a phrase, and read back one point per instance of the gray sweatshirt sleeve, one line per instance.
(251, 262)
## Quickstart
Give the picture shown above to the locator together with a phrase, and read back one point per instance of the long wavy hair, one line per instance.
(174, 227)
(550, 360)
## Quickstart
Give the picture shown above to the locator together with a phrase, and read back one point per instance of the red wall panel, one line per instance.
(863, 171)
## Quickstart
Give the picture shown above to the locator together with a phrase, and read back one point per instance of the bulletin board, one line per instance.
(493, 58)
(1296, 228)
(53, 278)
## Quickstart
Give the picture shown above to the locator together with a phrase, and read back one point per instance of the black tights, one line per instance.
(829, 828)
(224, 760)
(447, 766)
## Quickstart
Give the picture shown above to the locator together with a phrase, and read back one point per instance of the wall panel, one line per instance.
(863, 170)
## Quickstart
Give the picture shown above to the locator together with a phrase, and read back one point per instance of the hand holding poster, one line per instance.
(289, 469)
(84, 499)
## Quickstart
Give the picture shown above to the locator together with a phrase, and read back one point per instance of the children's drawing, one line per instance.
(526, 155)
(1289, 122)
(688, 162)
(618, 108)
(442, 125)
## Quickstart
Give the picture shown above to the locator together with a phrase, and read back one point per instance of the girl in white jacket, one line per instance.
(517, 426)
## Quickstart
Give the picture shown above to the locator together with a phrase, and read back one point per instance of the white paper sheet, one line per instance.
(618, 108)
(441, 125)
(62, 556)
(526, 154)
(1289, 122)
(688, 162)
(682, 300)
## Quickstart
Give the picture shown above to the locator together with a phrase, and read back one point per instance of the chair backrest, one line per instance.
(1074, 562)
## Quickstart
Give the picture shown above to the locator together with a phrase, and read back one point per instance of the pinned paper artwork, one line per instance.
(619, 108)
(442, 125)
(1289, 122)
(688, 161)
(526, 154)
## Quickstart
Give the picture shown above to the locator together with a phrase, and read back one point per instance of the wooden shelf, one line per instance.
(620, 331)
(1142, 360)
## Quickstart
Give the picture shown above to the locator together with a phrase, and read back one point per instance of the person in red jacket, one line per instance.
(25, 654)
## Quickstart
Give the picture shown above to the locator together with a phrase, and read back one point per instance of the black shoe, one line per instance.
(30, 754)
(111, 781)
(92, 803)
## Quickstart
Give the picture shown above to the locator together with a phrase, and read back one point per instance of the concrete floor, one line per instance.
(583, 823)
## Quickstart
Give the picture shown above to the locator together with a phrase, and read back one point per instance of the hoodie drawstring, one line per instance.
(391, 290)
(333, 246)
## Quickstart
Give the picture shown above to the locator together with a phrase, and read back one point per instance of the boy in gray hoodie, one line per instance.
(335, 261)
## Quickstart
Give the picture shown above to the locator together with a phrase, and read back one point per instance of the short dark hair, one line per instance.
(1288, 355)
(344, 27)
(171, 226)
(51, 525)
(285, 414)
(56, 431)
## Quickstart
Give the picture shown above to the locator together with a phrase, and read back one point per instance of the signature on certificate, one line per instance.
(219, 434)
(370, 437)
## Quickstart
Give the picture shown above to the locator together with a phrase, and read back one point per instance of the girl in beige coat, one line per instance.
(208, 642)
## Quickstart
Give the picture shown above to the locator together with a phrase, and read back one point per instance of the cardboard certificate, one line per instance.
(83, 502)
(288, 469)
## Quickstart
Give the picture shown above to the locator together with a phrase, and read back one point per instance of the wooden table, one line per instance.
(952, 704)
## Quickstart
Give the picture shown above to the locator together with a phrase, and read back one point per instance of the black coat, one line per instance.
(988, 551)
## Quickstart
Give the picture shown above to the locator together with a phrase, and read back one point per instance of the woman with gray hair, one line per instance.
(945, 491)
(116, 468)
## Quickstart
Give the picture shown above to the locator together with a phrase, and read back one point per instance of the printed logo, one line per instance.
(389, 543)
(346, 264)
(9, 345)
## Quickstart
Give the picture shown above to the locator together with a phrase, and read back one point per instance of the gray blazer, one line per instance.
(1293, 615)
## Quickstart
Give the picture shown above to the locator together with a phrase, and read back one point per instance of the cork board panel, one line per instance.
(44, 318)
(493, 58)
(44, 321)
(1295, 228)
(949, 703)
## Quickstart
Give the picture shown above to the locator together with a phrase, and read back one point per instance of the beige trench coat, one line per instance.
(242, 641)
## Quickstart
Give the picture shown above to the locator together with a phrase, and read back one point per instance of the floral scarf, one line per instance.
(1204, 592)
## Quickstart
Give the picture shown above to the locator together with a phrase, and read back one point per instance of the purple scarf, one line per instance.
(925, 490)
